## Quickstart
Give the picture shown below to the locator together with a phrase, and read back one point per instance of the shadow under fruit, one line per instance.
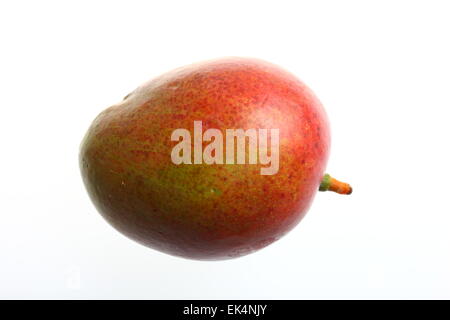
(207, 211)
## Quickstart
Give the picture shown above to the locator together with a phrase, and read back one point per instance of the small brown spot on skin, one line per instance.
(128, 95)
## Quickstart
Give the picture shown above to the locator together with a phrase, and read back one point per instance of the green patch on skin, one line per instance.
(194, 182)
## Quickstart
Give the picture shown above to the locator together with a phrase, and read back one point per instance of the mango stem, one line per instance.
(331, 184)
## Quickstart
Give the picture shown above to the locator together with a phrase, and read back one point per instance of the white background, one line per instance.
(382, 70)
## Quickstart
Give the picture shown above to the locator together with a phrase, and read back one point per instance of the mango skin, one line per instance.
(200, 211)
